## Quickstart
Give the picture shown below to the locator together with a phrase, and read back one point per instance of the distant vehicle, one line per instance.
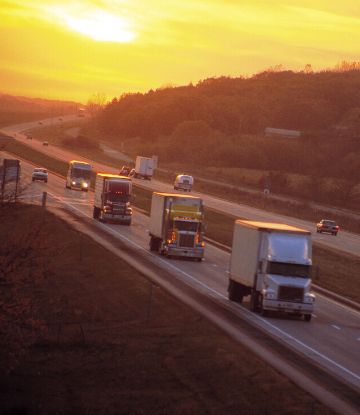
(78, 175)
(132, 173)
(45, 143)
(29, 137)
(40, 123)
(183, 182)
(125, 171)
(61, 119)
(81, 112)
(40, 174)
(327, 226)
(144, 168)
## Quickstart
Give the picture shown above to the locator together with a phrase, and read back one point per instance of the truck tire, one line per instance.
(264, 313)
(254, 302)
(235, 292)
(96, 213)
(154, 246)
(307, 317)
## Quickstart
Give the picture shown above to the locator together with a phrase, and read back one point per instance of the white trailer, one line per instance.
(272, 263)
(112, 198)
(176, 225)
(144, 168)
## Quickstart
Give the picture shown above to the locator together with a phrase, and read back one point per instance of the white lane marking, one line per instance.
(264, 320)
(336, 327)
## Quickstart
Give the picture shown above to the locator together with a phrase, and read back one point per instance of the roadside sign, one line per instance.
(266, 192)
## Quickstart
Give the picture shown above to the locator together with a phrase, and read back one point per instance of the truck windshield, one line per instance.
(185, 225)
(118, 192)
(289, 270)
(77, 173)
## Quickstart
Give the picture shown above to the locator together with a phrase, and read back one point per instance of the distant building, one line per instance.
(278, 132)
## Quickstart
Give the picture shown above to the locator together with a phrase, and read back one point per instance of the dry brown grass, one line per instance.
(101, 356)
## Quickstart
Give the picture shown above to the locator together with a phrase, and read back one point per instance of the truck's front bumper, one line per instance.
(185, 252)
(288, 307)
(116, 218)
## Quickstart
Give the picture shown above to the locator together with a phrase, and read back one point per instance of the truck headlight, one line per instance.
(86, 184)
(107, 209)
(129, 211)
(270, 295)
(309, 298)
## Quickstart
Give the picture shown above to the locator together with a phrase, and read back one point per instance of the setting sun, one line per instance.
(101, 27)
(72, 49)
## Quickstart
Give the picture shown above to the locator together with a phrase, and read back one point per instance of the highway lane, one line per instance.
(331, 339)
(345, 241)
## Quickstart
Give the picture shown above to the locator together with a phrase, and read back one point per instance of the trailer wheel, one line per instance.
(199, 259)
(154, 245)
(235, 292)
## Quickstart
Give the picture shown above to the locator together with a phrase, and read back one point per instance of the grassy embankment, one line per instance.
(103, 352)
(338, 272)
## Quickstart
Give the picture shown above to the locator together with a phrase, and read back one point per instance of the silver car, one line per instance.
(40, 174)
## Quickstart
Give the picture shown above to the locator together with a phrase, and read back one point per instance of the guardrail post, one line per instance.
(43, 206)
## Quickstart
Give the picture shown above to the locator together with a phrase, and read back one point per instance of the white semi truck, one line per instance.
(176, 225)
(272, 263)
(144, 168)
(112, 198)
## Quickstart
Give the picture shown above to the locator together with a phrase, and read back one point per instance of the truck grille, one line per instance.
(186, 241)
(291, 294)
(118, 209)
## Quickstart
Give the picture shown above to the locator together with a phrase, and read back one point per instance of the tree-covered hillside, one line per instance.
(222, 121)
(297, 101)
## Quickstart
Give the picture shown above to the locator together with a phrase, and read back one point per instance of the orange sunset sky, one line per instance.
(69, 49)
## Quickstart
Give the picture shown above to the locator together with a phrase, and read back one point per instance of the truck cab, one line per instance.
(112, 199)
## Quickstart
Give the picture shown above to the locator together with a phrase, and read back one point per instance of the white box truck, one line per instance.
(176, 225)
(272, 263)
(112, 198)
(144, 168)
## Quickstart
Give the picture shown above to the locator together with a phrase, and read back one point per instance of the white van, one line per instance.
(183, 182)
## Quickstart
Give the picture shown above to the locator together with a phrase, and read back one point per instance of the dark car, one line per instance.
(328, 226)
(125, 171)
(29, 137)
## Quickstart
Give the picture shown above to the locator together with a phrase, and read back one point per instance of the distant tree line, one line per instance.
(222, 121)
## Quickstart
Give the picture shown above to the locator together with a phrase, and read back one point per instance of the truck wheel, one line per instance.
(307, 317)
(264, 313)
(199, 259)
(254, 302)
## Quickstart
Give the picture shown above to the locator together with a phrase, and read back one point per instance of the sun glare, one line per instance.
(101, 26)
